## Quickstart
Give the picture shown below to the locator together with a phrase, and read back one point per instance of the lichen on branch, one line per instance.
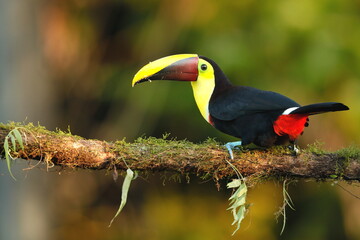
(181, 156)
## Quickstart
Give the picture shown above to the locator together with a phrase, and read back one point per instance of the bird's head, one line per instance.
(180, 67)
(203, 73)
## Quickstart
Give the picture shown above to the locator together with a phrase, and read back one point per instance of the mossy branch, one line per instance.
(160, 155)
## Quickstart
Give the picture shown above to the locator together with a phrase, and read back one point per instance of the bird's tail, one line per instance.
(320, 108)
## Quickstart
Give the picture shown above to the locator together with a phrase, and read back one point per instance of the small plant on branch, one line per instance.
(11, 142)
(286, 202)
(238, 198)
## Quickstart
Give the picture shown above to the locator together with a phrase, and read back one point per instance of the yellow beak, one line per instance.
(180, 67)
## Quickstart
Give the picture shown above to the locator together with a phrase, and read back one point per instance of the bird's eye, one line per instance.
(203, 67)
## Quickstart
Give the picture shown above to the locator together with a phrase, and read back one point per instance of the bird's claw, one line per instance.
(229, 150)
(295, 149)
(230, 146)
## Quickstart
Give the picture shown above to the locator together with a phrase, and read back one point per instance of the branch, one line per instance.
(205, 159)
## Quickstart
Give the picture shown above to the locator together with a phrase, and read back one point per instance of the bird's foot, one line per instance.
(230, 146)
(294, 148)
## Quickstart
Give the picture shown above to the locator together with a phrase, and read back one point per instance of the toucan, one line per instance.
(264, 118)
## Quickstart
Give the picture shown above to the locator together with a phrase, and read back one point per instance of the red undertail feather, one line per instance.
(292, 125)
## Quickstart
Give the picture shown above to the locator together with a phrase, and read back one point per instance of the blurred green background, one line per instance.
(70, 64)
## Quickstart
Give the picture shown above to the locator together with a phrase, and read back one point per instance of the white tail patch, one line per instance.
(289, 110)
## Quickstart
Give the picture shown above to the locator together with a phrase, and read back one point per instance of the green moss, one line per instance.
(280, 150)
(351, 152)
(164, 142)
(60, 132)
(121, 142)
(157, 145)
(316, 148)
(28, 126)
(345, 155)
(211, 142)
(37, 128)
(205, 177)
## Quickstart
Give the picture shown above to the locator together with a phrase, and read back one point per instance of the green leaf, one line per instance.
(125, 189)
(13, 142)
(18, 137)
(237, 202)
(242, 189)
(7, 156)
(238, 217)
(6, 149)
(234, 183)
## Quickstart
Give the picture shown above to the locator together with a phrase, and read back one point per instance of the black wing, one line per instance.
(239, 101)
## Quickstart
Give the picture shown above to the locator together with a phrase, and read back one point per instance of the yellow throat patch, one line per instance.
(204, 87)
